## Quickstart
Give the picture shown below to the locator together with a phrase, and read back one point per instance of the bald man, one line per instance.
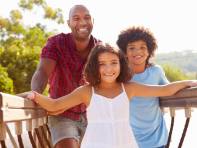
(61, 65)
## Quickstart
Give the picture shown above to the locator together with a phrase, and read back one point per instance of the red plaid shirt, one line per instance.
(67, 74)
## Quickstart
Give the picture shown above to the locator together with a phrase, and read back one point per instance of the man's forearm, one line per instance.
(39, 82)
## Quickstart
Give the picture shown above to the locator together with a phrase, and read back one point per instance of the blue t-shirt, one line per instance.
(146, 118)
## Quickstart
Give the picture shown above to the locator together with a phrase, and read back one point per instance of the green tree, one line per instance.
(173, 73)
(6, 83)
(20, 45)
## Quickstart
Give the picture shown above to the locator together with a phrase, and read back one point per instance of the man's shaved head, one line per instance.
(77, 7)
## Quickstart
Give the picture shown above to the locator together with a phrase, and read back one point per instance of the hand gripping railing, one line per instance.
(184, 99)
(18, 110)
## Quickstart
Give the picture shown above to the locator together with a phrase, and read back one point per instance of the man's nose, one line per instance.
(82, 22)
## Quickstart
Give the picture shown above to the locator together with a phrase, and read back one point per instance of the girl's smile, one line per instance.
(109, 67)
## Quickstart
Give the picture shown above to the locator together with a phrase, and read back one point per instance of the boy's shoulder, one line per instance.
(156, 67)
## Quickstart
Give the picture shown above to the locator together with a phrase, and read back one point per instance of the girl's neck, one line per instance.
(108, 85)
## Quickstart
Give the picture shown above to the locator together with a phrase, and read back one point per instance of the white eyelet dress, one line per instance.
(108, 123)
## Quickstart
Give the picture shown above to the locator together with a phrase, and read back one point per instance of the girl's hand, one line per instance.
(31, 95)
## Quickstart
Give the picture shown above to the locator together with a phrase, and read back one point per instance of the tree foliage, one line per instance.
(20, 47)
(6, 83)
(174, 73)
(49, 12)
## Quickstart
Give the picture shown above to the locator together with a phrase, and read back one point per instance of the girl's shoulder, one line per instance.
(85, 90)
(86, 87)
(129, 87)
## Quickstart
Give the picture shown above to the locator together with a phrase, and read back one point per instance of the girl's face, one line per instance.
(137, 53)
(109, 67)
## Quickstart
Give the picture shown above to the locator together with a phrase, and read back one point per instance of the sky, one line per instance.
(171, 21)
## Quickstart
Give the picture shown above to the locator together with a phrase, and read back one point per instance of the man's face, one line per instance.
(80, 23)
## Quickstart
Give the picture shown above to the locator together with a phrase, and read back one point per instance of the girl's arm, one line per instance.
(78, 96)
(137, 89)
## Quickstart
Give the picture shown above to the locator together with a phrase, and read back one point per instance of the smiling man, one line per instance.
(61, 64)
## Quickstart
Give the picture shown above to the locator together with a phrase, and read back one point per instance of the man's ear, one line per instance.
(68, 23)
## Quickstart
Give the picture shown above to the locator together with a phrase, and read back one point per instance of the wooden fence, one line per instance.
(21, 111)
(18, 110)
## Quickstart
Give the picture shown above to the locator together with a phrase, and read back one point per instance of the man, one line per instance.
(61, 64)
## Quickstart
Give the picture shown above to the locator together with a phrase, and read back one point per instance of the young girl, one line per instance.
(139, 45)
(107, 96)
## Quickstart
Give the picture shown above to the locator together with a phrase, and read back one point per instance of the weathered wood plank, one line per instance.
(11, 101)
(12, 115)
(184, 98)
(184, 93)
(14, 108)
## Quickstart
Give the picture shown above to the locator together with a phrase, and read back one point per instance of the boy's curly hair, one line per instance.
(133, 34)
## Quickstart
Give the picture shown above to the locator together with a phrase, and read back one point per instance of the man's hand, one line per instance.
(24, 94)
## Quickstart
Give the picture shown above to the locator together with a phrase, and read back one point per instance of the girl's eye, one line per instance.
(114, 63)
(131, 48)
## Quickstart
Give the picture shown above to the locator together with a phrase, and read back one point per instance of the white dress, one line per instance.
(108, 123)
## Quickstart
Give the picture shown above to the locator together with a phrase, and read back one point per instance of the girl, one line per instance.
(107, 97)
(139, 45)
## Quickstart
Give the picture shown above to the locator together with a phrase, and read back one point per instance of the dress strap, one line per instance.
(123, 88)
(122, 85)
(92, 90)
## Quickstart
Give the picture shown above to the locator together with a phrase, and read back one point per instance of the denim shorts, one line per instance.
(62, 127)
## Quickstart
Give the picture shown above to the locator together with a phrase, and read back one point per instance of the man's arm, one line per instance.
(41, 75)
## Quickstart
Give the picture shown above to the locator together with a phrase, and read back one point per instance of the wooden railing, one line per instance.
(16, 110)
(184, 99)
(20, 111)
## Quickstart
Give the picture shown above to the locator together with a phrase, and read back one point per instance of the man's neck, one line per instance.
(81, 46)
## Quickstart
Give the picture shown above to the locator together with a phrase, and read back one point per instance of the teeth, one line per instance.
(108, 74)
(138, 56)
(83, 30)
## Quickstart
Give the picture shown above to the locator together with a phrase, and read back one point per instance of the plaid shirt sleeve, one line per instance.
(50, 50)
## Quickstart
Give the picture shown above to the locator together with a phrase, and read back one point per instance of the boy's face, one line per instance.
(109, 67)
(137, 53)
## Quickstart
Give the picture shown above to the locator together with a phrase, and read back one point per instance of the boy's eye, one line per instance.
(100, 64)
(143, 47)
